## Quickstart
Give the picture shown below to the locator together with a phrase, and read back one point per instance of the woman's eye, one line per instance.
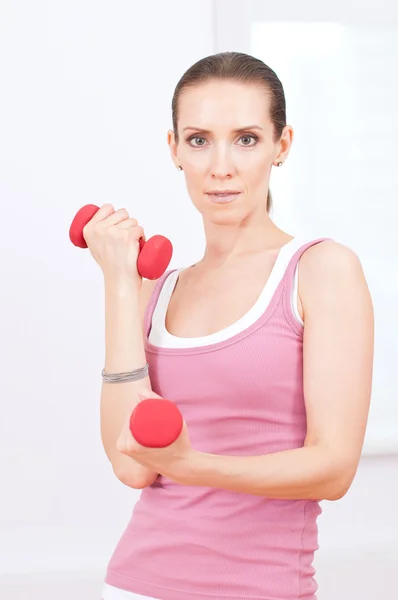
(249, 137)
(243, 137)
(196, 138)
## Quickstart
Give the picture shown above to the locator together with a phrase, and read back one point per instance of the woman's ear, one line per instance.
(284, 144)
(173, 147)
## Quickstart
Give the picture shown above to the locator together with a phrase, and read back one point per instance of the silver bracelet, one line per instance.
(128, 376)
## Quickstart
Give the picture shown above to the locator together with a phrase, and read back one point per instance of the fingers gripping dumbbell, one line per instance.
(155, 253)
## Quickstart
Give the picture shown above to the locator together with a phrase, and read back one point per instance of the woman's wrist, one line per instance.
(121, 285)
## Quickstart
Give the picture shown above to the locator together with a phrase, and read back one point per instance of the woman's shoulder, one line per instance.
(331, 255)
(331, 269)
(148, 286)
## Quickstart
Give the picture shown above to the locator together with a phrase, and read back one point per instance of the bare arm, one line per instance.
(124, 351)
(338, 366)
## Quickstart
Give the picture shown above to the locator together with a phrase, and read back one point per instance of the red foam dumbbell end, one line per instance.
(82, 217)
(156, 423)
(155, 257)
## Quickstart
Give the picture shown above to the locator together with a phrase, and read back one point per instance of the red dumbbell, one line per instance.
(156, 423)
(155, 253)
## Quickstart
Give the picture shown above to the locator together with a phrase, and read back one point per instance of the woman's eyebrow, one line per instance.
(239, 130)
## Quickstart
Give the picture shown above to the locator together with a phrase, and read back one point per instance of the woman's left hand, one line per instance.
(173, 461)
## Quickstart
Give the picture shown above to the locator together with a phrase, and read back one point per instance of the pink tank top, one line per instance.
(241, 396)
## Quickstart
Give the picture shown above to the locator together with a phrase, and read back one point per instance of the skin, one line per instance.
(223, 159)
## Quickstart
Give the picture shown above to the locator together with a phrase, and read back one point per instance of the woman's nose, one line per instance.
(222, 163)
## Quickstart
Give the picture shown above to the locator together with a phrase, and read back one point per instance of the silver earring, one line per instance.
(280, 164)
(179, 168)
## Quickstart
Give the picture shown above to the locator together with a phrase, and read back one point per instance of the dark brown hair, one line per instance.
(238, 67)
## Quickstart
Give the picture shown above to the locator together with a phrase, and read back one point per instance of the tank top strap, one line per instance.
(150, 307)
(289, 279)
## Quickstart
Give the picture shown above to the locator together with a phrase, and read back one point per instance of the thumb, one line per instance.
(146, 394)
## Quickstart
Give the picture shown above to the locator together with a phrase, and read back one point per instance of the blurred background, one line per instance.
(85, 106)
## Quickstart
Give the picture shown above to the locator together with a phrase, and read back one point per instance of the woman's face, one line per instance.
(226, 143)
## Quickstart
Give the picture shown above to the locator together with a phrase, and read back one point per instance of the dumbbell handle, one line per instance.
(154, 254)
(156, 423)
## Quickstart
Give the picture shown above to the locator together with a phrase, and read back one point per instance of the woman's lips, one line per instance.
(223, 198)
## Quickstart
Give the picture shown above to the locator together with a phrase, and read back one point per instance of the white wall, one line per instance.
(84, 112)
(335, 61)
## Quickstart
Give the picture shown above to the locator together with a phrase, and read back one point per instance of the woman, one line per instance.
(272, 372)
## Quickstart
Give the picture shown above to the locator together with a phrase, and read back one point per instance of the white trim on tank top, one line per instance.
(160, 336)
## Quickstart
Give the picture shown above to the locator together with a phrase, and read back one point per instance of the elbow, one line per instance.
(338, 488)
(338, 476)
(335, 494)
(125, 476)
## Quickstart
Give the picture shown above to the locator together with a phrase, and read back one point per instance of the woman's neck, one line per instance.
(226, 245)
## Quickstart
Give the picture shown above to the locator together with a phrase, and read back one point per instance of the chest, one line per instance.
(201, 305)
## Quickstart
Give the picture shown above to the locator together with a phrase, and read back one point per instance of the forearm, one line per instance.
(309, 472)
(124, 351)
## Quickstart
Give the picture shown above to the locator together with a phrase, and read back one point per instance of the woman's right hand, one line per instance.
(113, 239)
